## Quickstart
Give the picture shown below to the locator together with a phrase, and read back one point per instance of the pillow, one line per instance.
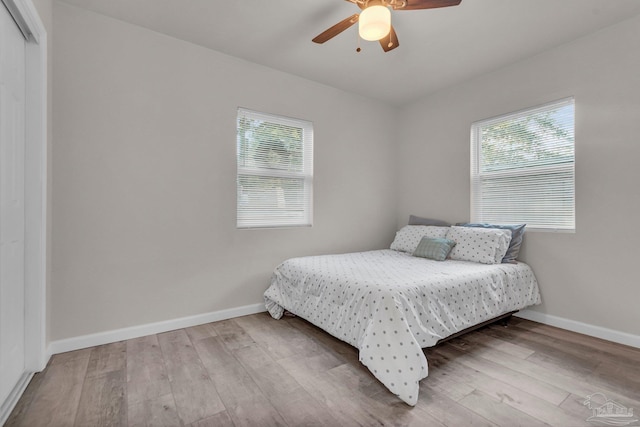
(417, 220)
(484, 245)
(517, 233)
(409, 236)
(436, 249)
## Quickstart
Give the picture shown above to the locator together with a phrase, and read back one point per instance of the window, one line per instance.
(275, 170)
(522, 168)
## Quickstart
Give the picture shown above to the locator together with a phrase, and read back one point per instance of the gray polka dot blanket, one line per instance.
(390, 305)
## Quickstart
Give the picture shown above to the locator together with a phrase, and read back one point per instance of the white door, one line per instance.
(12, 219)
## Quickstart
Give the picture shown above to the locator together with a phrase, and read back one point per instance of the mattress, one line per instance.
(390, 305)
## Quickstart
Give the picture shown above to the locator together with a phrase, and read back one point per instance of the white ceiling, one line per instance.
(438, 47)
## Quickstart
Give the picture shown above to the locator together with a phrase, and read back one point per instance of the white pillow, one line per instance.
(409, 236)
(484, 245)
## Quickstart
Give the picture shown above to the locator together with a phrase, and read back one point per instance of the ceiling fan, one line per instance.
(375, 20)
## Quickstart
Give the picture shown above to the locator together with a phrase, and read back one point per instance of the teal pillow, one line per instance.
(433, 248)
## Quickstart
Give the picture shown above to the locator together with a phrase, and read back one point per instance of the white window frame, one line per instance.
(478, 178)
(274, 219)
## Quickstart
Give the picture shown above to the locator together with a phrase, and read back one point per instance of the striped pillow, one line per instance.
(434, 248)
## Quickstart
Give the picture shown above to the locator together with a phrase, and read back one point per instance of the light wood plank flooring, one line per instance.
(256, 371)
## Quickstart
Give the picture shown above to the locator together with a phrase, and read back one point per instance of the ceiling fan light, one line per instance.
(374, 22)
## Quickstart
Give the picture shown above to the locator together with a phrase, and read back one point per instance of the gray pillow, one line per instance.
(434, 248)
(418, 220)
(517, 232)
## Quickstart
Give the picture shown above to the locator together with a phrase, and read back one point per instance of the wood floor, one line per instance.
(256, 371)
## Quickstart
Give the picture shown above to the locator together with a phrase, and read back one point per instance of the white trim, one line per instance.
(25, 20)
(13, 398)
(35, 189)
(84, 341)
(582, 328)
(36, 356)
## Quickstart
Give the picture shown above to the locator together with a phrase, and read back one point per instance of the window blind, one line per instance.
(522, 168)
(274, 170)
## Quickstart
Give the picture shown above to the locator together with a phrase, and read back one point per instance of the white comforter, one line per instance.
(390, 304)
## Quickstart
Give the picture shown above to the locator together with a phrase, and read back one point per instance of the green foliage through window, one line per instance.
(269, 145)
(541, 138)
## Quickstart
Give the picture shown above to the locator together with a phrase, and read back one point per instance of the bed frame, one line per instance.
(503, 319)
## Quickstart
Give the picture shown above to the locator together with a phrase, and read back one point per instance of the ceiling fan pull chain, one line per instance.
(358, 38)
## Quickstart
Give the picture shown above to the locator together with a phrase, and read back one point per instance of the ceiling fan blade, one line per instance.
(336, 29)
(390, 41)
(429, 4)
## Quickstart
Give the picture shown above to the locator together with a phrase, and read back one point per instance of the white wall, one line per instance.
(144, 173)
(144, 176)
(589, 276)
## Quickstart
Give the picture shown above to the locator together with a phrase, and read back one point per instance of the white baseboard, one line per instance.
(13, 398)
(84, 341)
(582, 328)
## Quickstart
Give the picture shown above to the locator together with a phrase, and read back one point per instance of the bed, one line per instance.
(390, 304)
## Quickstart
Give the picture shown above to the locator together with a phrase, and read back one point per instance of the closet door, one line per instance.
(12, 195)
